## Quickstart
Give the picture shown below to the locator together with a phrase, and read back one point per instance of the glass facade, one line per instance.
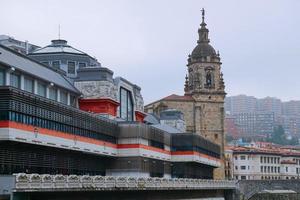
(56, 64)
(15, 80)
(28, 84)
(41, 89)
(126, 105)
(53, 93)
(81, 64)
(72, 100)
(2, 77)
(71, 67)
(64, 97)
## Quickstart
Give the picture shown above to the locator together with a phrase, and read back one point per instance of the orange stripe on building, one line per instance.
(43, 131)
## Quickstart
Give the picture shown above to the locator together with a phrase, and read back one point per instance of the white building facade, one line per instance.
(260, 164)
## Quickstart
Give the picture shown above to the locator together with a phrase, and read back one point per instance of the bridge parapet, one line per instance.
(46, 182)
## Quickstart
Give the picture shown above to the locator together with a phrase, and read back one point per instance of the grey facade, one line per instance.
(89, 77)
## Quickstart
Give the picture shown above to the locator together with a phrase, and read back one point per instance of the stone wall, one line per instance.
(255, 189)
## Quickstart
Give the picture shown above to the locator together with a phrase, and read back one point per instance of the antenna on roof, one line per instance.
(59, 31)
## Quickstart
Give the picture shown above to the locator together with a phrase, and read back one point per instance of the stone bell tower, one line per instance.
(203, 101)
(204, 82)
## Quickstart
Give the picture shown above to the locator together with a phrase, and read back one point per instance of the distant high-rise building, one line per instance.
(255, 123)
(240, 104)
(271, 111)
(291, 125)
(270, 104)
(291, 108)
(17, 45)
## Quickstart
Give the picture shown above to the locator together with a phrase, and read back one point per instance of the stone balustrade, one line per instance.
(46, 182)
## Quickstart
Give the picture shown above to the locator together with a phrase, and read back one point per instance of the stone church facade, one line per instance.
(203, 101)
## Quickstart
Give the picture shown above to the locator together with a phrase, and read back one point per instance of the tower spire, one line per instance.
(203, 15)
(203, 31)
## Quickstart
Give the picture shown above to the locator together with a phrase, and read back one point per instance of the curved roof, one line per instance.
(58, 46)
(203, 50)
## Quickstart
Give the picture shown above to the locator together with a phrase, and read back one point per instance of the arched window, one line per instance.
(126, 105)
(209, 79)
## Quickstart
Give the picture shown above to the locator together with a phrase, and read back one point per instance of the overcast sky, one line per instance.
(147, 42)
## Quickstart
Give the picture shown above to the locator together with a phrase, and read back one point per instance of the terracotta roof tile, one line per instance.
(178, 97)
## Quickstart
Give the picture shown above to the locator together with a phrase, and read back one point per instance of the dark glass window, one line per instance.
(72, 101)
(15, 80)
(41, 89)
(53, 93)
(71, 67)
(2, 77)
(64, 97)
(82, 64)
(56, 64)
(126, 107)
(28, 84)
(156, 144)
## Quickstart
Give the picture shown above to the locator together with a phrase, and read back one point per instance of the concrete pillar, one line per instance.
(7, 78)
(22, 82)
(35, 86)
(58, 94)
(69, 99)
(47, 91)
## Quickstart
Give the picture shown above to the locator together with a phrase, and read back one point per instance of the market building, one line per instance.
(45, 129)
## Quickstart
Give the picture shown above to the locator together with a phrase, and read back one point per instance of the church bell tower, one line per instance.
(204, 82)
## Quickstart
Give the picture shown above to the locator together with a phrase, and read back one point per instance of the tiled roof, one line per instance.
(283, 152)
(178, 97)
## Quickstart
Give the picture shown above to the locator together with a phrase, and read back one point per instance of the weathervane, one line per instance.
(203, 14)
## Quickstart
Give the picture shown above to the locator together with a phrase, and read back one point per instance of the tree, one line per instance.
(278, 135)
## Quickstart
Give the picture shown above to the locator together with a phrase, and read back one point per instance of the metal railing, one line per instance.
(46, 182)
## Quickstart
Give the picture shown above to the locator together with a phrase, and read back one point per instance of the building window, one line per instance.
(243, 177)
(56, 64)
(63, 97)
(72, 100)
(2, 77)
(243, 157)
(126, 107)
(28, 84)
(53, 93)
(82, 64)
(71, 67)
(15, 80)
(41, 89)
(243, 167)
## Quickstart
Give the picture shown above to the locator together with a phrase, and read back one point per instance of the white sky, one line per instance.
(147, 42)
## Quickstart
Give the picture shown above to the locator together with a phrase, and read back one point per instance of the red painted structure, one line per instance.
(139, 116)
(104, 106)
